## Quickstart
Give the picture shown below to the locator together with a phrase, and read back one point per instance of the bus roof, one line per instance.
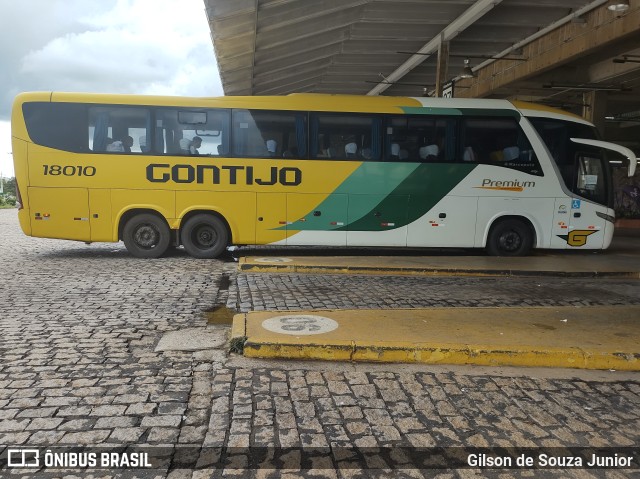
(308, 101)
(535, 109)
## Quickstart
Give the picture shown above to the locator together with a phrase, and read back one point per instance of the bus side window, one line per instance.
(57, 125)
(192, 131)
(498, 141)
(269, 134)
(346, 136)
(416, 138)
(119, 129)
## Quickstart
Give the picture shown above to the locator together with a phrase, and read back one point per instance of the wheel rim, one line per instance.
(146, 236)
(510, 241)
(204, 237)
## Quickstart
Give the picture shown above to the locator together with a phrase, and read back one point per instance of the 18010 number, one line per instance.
(69, 170)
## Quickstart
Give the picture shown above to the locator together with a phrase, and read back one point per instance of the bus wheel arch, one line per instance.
(145, 233)
(205, 234)
(511, 236)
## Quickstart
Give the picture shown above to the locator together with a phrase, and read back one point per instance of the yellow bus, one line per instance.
(309, 169)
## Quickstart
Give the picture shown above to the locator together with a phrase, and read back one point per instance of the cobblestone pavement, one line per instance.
(78, 366)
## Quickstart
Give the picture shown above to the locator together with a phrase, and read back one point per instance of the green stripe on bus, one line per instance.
(420, 192)
(396, 195)
(372, 180)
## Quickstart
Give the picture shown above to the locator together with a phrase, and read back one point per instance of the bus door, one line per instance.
(586, 228)
(60, 213)
(576, 224)
(590, 224)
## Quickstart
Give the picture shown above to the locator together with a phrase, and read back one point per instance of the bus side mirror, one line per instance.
(633, 161)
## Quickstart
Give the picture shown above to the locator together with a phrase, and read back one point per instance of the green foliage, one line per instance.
(9, 186)
(8, 198)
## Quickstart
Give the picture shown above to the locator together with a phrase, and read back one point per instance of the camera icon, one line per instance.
(23, 458)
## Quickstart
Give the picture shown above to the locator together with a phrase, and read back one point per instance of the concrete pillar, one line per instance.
(595, 108)
(443, 63)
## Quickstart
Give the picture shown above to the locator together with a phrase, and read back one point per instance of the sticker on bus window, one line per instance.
(591, 179)
(590, 182)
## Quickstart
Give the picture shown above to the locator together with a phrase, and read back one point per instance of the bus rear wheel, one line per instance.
(146, 236)
(204, 236)
(510, 237)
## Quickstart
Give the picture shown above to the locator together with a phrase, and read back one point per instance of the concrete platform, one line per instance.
(622, 259)
(570, 337)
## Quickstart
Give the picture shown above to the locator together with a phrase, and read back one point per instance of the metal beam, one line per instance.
(477, 10)
(560, 43)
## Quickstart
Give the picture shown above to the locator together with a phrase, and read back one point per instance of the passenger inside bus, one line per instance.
(469, 154)
(429, 152)
(127, 143)
(115, 146)
(143, 144)
(504, 148)
(272, 147)
(395, 151)
(190, 147)
(120, 146)
(350, 150)
(511, 153)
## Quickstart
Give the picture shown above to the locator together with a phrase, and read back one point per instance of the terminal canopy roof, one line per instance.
(554, 50)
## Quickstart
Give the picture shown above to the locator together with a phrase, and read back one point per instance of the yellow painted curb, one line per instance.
(547, 265)
(238, 326)
(238, 333)
(329, 265)
(426, 354)
(571, 337)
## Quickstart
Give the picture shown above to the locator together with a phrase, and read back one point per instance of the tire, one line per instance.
(204, 236)
(510, 237)
(146, 236)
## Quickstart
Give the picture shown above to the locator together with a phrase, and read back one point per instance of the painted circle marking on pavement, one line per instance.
(299, 324)
(273, 260)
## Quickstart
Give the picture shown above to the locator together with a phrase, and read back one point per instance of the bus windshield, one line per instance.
(584, 168)
(556, 135)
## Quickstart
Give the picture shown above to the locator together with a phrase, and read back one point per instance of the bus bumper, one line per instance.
(608, 234)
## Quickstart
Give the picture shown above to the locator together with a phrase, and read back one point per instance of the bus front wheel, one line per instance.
(146, 236)
(204, 236)
(510, 237)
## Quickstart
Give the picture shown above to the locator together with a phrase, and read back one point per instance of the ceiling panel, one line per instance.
(351, 46)
(290, 36)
